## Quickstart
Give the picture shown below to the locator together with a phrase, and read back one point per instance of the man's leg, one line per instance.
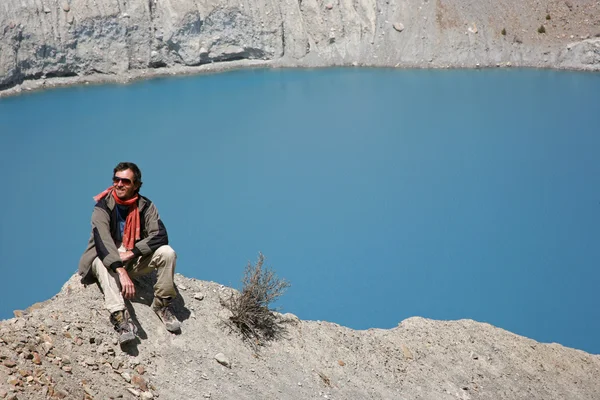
(163, 260)
(109, 282)
(113, 301)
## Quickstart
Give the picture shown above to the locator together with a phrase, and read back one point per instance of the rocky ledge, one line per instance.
(65, 348)
(56, 42)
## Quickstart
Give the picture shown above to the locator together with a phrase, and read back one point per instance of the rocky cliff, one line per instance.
(48, 42)
(65, 348)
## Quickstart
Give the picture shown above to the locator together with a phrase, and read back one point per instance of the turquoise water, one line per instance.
(379, 194)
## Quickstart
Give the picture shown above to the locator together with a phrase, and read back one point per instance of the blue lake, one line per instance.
(379, 194)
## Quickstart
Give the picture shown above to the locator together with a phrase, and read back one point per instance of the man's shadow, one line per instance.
(144, 289)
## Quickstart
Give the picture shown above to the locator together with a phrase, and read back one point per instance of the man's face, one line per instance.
(124, 185)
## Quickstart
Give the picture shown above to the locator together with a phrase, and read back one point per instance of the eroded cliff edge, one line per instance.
(117, 40)
(65, 348)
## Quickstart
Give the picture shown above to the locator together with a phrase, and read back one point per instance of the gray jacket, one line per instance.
(105, 231)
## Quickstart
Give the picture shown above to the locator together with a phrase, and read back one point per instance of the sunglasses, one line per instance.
(125, 181)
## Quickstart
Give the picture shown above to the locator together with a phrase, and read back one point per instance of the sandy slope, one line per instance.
(66, 348)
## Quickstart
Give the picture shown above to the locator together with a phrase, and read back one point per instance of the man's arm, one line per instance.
(157, 233)
(105, 244)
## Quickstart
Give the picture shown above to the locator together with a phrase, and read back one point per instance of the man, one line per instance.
(128, 240)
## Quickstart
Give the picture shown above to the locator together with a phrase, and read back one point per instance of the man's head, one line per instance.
(127, 180)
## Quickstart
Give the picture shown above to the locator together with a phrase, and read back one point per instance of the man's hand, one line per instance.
(127, 287)
(126, 255)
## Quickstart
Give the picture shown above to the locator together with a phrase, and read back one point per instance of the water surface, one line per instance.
(379, 194)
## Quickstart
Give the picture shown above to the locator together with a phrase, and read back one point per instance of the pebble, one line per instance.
(399, 26)
(139, 382)
(406, 351)
(126, 376)
(199, 296)
(147, 395)
(221, 359)
(65, 6)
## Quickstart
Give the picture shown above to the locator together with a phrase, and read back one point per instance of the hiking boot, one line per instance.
(161, 308)
(124, 326)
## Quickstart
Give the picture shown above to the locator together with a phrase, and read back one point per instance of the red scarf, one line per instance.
(131, 233)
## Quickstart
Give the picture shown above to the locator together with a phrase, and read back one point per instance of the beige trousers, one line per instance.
(163, 260)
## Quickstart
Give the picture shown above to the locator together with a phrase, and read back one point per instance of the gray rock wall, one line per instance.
(112, 38)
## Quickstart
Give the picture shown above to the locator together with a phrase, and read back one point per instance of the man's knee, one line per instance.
(166, 252)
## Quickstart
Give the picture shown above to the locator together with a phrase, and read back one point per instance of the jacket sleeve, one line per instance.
(103, 241)
(156, 233)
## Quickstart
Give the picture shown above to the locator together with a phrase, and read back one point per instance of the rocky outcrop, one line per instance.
(65, 348)
(119, 39)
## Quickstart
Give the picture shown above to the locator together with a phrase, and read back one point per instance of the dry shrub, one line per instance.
(250, 307)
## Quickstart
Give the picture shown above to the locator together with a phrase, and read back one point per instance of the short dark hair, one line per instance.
(137, 174)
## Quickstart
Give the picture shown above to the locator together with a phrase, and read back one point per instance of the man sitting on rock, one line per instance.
(128, 240)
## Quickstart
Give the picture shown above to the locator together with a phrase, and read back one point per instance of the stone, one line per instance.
(126, 376)
(138, 381)
(221, 359)
(406, 352)
(9, 363)
(399, 26)
(199, 296)
(46, 347)
(147, 395)
(65, 6)
(37, 360)
(133, 392)
(70, 18)
(13, 380)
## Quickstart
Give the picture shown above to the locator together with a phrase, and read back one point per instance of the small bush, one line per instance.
(250, 307)
(503, 32)
(548, 17)
(541, 29)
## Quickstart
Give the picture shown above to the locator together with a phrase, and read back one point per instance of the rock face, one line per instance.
(66, 348)
(119, 40)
